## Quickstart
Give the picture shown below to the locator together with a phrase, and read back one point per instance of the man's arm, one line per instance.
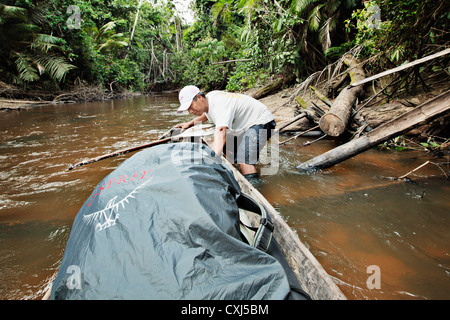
(219, 140)
(189, 124)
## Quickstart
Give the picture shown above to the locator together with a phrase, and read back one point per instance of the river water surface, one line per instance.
(352, 216)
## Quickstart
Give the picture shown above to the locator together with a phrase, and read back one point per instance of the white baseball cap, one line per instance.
(185, 96)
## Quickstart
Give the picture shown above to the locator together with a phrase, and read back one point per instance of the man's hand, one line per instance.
(189, 124)
(183, 126)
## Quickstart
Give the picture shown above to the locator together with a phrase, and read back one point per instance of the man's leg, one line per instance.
(247, 168)
(249, 148)
(247, 154)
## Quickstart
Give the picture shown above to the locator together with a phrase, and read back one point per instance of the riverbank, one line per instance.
(13, 98)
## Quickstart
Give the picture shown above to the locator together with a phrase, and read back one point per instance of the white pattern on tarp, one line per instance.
(108, 216)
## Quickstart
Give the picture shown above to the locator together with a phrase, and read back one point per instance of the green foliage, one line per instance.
(398, 144)
(27, 55)
(245, 76)
(285, 36)
(401, 143)
(198, 68)
(135, 44)
(105, 38)
(430, 144)
(406, 29)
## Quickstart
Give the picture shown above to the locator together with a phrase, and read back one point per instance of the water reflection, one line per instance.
(352, 216)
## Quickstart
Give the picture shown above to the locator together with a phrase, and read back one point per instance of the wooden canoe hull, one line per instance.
(309, 272)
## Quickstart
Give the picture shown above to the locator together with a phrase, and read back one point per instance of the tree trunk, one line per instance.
(136, 19)
(335, 121)
(426, 111)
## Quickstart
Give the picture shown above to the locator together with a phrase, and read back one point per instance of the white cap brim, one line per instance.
(183, 107)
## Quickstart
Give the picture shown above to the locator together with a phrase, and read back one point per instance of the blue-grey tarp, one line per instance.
(165, 225)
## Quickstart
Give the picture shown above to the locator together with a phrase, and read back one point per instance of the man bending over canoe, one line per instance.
(243, 124)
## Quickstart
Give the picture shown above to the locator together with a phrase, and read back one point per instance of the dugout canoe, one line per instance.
(309, 272)
(307, 269)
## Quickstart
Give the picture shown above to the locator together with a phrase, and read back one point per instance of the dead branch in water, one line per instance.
(407, 174)
(298, 135)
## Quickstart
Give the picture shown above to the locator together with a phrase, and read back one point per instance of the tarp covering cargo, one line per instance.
(165, 225)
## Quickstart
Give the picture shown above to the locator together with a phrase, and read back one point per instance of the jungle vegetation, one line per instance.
(140, 45)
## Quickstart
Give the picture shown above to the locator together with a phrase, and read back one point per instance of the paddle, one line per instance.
(191, 132)
(167, 134)
(109, 155)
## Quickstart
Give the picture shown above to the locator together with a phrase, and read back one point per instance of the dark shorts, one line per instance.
(246, 147)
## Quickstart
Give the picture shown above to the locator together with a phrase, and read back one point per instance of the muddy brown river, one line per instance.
(377, 238)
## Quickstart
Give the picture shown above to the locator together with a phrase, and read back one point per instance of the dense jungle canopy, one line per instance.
(144, 45)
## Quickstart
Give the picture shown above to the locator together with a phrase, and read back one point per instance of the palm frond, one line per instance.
(349, 4)
(44, 42)
(324, 34)
(247, 6)
(112, 44)
(108, 26)
(222, 9)
(20, 31)
(24, 65)
(300, 6)
(314, 18)
(57, 67)
(12, 12)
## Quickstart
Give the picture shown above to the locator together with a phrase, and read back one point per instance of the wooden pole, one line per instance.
(311, 142)
(400, 68)
(174, 133)
(289, 122)
(426, 111)
(298, 135)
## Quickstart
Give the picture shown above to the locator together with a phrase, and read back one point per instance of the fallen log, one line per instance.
(271, 87)
(335, 120)
(424, 112)
(286, 123)
(321, 96)
(301, 102)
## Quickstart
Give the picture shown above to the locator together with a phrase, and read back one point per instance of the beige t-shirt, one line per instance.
(236, 111)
